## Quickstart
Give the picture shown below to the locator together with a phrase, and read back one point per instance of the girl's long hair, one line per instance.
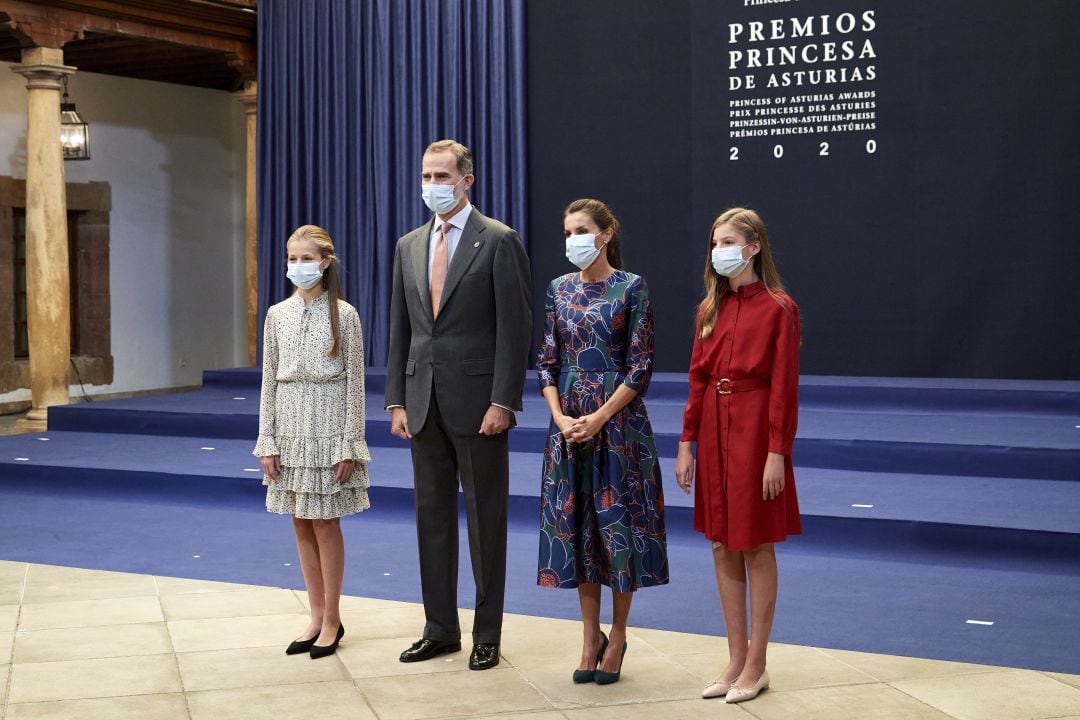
(748, 223)
(331, 281)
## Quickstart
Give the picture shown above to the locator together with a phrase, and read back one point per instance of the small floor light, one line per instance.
(74, 132)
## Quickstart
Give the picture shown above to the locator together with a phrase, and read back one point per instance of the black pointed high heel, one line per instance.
(587, 676)
(301, 646)
(318, 651)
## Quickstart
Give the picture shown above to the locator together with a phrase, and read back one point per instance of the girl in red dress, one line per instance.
(742, 412)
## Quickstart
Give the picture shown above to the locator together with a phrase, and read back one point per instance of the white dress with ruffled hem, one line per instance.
(312, 410)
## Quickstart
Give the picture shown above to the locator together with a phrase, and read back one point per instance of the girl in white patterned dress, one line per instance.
(311, 426)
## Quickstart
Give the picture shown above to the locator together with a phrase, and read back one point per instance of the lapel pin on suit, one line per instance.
(476, 244)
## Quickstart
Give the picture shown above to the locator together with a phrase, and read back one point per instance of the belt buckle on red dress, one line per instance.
(722, 386)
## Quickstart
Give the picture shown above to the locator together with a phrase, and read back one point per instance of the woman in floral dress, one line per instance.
(602, 503)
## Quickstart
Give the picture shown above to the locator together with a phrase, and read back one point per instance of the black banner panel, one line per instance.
(917, 165)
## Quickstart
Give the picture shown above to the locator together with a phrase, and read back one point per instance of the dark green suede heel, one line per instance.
(588, 676)
(606, 678)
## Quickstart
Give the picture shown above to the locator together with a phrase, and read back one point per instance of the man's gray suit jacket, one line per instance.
(477, 350)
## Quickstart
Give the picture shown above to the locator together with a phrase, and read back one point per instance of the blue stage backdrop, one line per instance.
(350, 94)
(917, 163)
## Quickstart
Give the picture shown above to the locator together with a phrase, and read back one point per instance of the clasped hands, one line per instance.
(580, 429)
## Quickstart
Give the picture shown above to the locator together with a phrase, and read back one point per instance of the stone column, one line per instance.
(47, 282)
(248, 96)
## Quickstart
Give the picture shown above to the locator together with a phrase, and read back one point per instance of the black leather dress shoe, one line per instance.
(484, 656)
(424, 649)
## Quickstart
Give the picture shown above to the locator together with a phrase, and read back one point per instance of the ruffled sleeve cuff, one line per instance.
(353, 449)
(266, 445)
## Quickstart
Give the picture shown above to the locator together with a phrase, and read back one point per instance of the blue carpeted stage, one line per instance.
(926, 503)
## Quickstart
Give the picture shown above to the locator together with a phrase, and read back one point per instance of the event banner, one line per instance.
(917, 165)
(804, 77)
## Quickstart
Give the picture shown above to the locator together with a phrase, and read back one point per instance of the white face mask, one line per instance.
(728, 261)
(581, 250)
(440, 198)
(304, 275)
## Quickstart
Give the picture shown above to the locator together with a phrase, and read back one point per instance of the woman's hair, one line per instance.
(605, 220)
(748, 223)
(330, 280)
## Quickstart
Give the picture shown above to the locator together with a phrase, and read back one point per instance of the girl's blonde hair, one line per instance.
(748, 223)
(331, 281)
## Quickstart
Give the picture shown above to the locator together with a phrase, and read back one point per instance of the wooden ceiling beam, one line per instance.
(173, 67)
(197, 25)
(219, 81)
(78, 54)
(11, 34)
(220, 19)
(37, 26)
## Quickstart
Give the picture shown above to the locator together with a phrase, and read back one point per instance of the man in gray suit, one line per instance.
(460, 329)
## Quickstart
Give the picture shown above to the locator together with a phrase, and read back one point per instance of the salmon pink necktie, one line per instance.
(439, 267)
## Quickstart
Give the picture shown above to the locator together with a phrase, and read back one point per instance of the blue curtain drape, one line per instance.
(350, 94)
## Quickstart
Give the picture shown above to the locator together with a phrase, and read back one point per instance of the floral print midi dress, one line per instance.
(602, 502)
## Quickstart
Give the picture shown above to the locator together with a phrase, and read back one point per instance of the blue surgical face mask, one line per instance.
(440, 198)
(581, 250)
(728, 261)
(304, 275)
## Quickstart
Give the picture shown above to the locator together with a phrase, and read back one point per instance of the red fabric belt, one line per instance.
(726, 386)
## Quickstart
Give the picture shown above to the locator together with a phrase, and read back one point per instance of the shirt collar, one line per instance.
(458, 220)
(750, 290)
(320, 299)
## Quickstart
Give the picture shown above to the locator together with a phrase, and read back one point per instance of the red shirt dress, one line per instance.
(744, 404)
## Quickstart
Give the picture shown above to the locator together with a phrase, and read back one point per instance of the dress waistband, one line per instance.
(315, 379)
(578, 368)
(726, 386)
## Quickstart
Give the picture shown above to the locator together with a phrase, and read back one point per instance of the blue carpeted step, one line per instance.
(865, 592)
(977, 444)
(931, 553)
(923, 502)
(237, 378)
(248, 380)
(222, 471)
(825, 392)
(941, 395)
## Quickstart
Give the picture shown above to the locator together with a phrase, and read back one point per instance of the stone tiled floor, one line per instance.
(78, 644)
